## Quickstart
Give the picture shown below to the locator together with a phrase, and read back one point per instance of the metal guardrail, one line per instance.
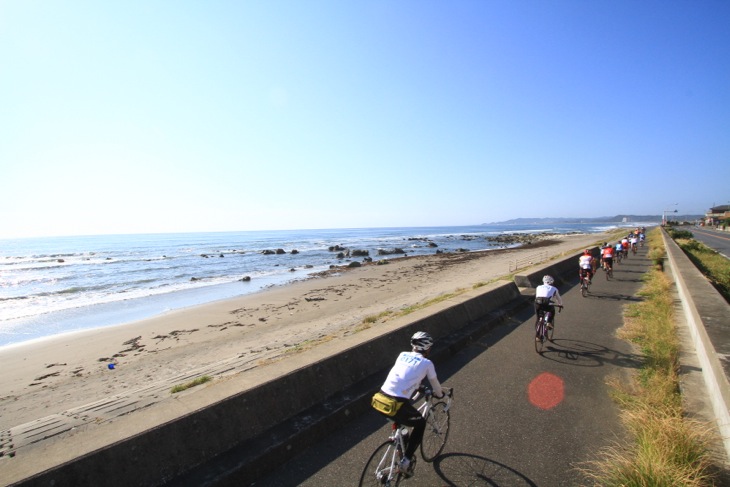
(527, 261)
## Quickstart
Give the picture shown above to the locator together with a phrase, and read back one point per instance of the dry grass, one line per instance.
(666, 449)
(309, 344)
(368, 321)
(192, 383)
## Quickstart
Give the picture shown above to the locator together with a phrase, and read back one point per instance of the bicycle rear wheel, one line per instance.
(382, 467)
(583, 288)
(539, 343)
(437, 431)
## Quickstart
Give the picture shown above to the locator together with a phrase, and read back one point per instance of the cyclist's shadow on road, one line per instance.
(587, 354)
(612, 296)
(457, 469)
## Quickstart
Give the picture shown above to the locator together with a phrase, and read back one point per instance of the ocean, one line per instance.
(58, 285)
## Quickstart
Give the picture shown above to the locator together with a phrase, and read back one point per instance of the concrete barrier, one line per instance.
(249, 431)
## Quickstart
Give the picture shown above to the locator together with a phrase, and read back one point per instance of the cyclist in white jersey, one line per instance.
(633, 241)
(585, 265)
(402, 382)
(546, 296)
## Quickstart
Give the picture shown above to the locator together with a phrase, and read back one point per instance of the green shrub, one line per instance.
(676, 234)
(712, 264)
(691, 245)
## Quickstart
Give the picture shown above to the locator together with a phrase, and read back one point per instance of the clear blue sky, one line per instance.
(164, 116)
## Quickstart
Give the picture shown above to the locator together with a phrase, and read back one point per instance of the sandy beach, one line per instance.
(56, 375)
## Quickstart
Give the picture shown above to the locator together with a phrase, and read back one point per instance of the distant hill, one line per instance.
(600, 219)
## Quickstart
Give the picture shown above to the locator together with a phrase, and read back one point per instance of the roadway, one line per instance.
(518, 418)
(714, 239)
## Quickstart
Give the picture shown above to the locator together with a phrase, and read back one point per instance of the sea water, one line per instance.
(57, 285)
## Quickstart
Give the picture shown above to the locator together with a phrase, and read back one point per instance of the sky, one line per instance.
(186, 116)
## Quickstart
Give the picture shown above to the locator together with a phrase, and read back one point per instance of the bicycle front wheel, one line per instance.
(383, 467)
(551, 330)
(437, 432)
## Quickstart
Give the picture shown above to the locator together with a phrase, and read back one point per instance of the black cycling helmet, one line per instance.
(421, 341)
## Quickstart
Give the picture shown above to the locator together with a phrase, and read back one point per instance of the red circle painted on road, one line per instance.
(546, 391)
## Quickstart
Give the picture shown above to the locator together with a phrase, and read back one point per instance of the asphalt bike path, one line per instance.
(519, 418)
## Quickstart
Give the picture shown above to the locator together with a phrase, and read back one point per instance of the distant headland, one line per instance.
(600, 219)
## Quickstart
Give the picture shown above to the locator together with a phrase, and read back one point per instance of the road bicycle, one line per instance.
(544, 329)
(585, 281)
(383, 466)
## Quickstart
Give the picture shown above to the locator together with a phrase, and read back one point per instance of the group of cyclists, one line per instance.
(412, 367)
(587, 264)
(547, 296)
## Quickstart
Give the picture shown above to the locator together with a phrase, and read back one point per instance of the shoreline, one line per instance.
(68, 371)
(133, 304)
(127, 311)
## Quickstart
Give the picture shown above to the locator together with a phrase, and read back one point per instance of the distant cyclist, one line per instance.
(546, 297)
(603, 252)
(403, 380)
(633, 241)
(607, 257)
(625, 245)
(585, 265)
